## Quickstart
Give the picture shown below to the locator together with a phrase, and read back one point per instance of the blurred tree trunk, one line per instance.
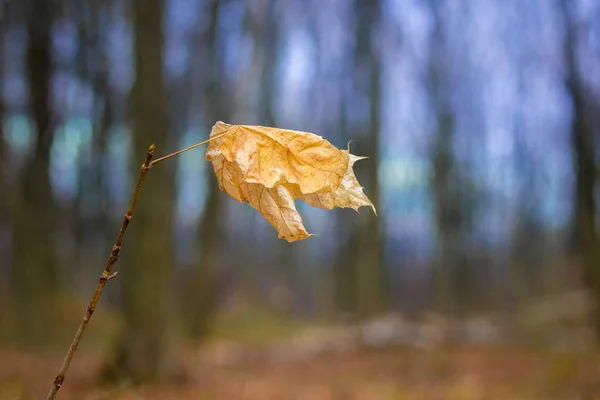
(527, 236)
(450, 188)
(3, 156)
(91, 220)
(441, 160)
(4, 185)
(344, 272)
(447, 215)
(371, 276)
(146, 350)
(585, 235)
(97, 70)
(201, 294)
(263, 27)
(453, 281)
(35, 270)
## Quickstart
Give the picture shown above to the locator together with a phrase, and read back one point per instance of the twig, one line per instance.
(105, 277)
(220, 135)
(114, 256)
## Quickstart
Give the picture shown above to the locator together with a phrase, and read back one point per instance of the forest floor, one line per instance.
(256, 355)
(463, 373)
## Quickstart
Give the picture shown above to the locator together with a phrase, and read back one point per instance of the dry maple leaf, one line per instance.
(270, 168)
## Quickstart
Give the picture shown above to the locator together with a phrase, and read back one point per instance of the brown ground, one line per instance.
(472, 373)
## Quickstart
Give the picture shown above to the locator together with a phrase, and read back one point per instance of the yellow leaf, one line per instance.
(269, 168)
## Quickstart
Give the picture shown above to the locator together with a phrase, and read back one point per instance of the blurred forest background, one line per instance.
(481, 121)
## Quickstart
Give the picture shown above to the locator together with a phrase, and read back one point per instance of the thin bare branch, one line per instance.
(105, 277)
(114, 256)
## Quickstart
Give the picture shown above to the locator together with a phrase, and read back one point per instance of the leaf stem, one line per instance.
(220, 135)
(105, 277)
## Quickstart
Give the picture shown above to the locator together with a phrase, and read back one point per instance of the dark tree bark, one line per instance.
(91, 221)
(145, 351)
(372, 279)
(264, 29)
(362, 254)
(35, 272)
(451, 188)
(4, 185)
(344, 274)
(585, 235)
(201, 294)
(3, 156)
